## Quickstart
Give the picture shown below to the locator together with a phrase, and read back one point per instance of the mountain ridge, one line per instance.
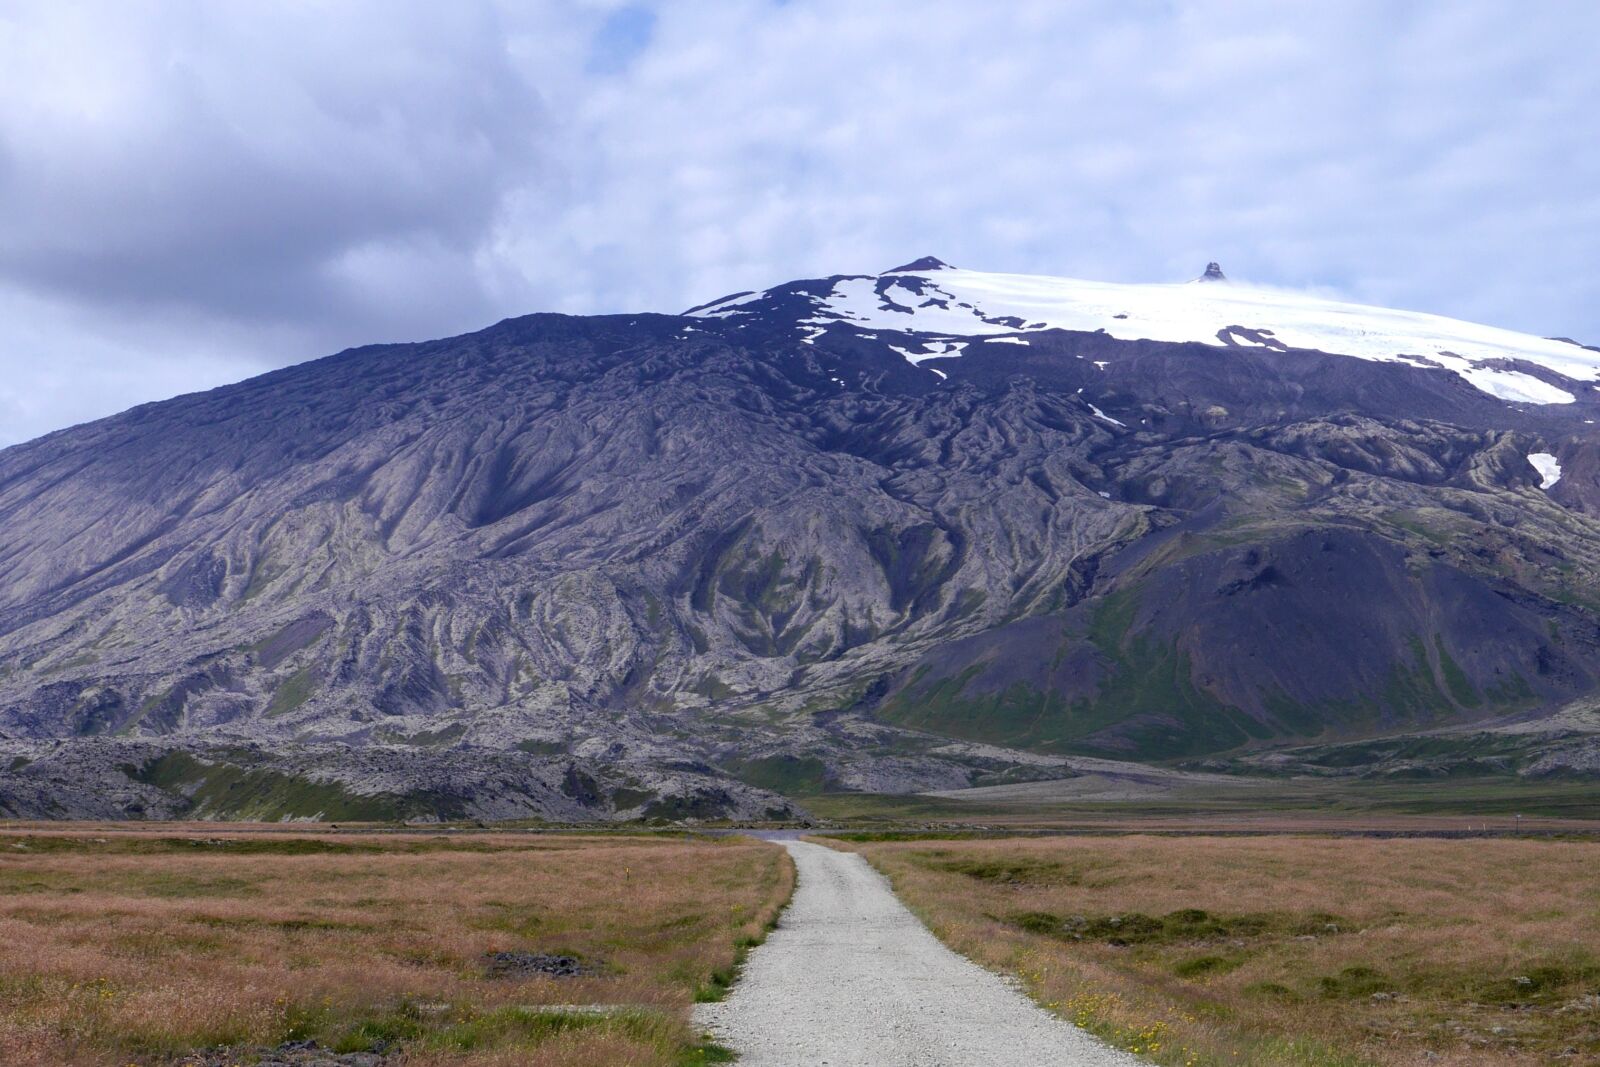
(652, 565)
(959, 303)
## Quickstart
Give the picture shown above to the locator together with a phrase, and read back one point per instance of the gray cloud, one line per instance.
(193, 192)
(252, 163)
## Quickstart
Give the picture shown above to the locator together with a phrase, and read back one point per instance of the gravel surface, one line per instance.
(851, 979)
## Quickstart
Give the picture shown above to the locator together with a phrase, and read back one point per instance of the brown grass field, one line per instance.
(1279, 951)
(154, 946)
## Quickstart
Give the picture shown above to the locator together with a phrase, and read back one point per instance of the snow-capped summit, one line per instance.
(934, 301)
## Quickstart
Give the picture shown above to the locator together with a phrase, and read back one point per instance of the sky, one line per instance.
(195, 192)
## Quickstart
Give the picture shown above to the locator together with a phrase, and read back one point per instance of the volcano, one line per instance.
(918, 530)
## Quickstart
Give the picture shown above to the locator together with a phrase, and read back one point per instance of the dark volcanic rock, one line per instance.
(925, 263)
(535, 964)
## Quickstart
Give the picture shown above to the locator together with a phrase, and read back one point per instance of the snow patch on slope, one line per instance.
(1102, 415)
(935, 350)
(1513, 385)
(1549, 470)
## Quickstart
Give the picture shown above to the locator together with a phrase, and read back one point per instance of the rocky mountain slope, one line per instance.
(908, 531)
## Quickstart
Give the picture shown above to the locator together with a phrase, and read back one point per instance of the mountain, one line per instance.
(917, 530)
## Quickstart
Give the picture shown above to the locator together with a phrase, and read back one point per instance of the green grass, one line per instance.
(894, 809)
(466, 1029)
(226, 790)
(1177, 927)
(1199, 966)
(1355, 754)
(445, 735)
(710, 1052)
(872, 836)
(294, 691)
(289, 843)
(1142, 672)
(790, 775)
(1455, 679)
(1497, 798)
(721, 981)
(1011, 870)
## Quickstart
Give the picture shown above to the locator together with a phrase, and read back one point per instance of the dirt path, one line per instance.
(851, 979)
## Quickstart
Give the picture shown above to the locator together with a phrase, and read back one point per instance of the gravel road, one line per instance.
(851, 979)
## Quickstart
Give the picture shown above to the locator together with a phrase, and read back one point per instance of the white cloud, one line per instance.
(282, 180)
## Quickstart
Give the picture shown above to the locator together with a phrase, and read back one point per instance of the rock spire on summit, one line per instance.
(1213, 273)
(925, 263)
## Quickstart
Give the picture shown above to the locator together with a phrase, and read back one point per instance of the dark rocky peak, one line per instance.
(720, 300)
(925, 263)
(1580, 344)
(1213, 273)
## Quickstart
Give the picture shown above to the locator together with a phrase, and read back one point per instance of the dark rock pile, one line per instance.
(534, 964)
